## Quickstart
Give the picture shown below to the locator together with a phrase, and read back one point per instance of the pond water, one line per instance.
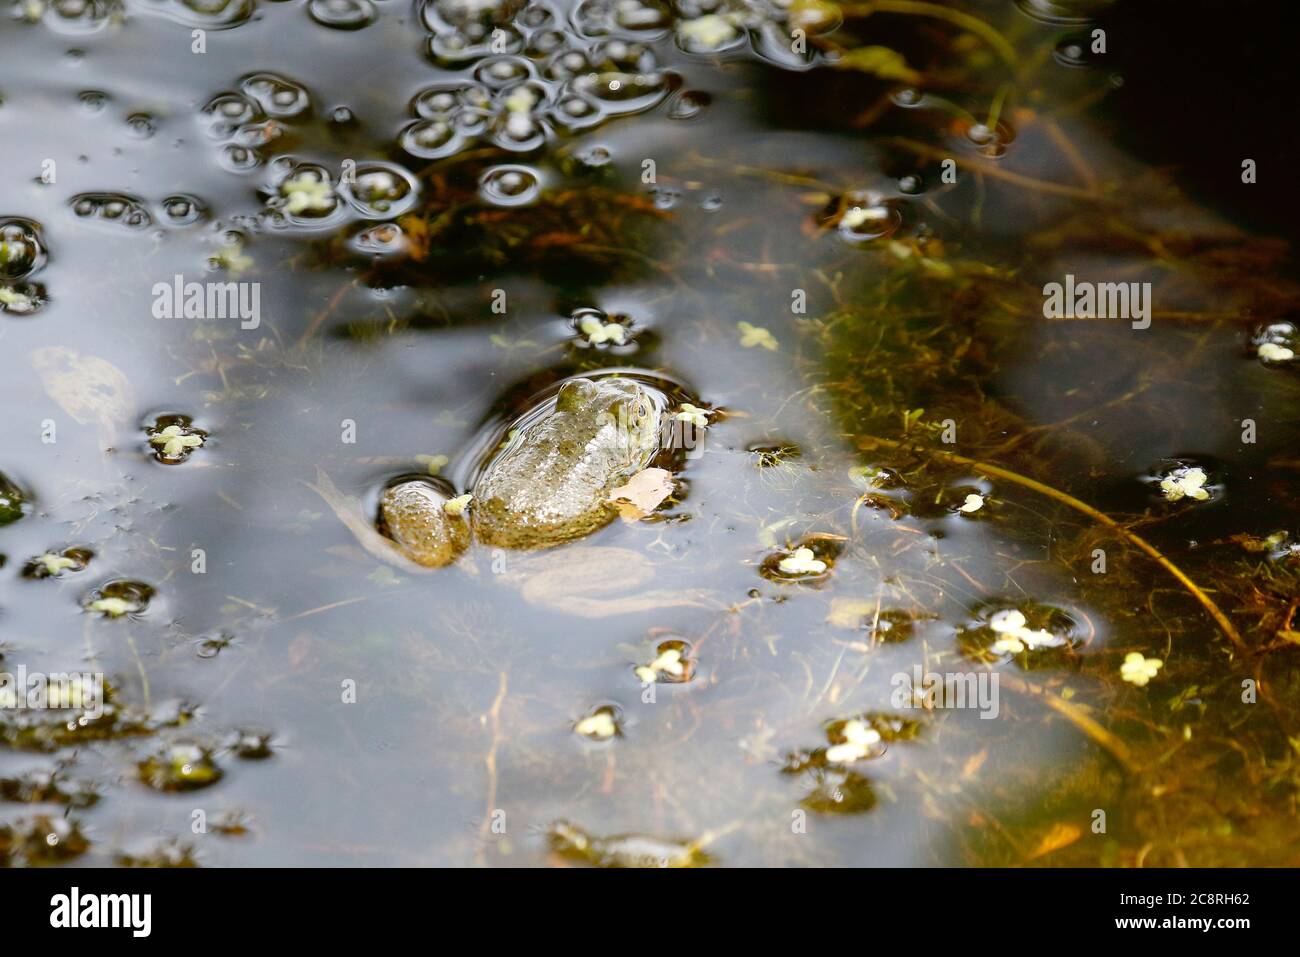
(825, 232)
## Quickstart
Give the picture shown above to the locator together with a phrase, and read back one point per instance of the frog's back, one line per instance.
(551, 483)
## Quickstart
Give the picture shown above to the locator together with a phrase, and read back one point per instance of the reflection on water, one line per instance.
(254, 275)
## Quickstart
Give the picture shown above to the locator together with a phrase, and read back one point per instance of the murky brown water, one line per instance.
(778, 236)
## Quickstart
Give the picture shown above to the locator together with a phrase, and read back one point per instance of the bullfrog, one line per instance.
(549, 484)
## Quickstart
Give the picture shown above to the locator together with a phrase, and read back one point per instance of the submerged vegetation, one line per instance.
(805, 245)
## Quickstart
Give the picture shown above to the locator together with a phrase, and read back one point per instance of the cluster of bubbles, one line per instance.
(84, 17)
(22, 255)
(531, 80)
(530, 74)
(306, 194)
(778, 31)
(250, 119)
(73, 17)
(133, 213)
(300, 192)
(116, 209)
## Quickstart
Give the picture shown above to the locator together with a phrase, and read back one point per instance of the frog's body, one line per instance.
(551, 482)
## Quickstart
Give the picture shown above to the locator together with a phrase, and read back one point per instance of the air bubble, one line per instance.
(115, 208)
(908, 97)
(595, 157)
(518, 131)
(1071, 53)
(544, 44)
(239, 159)
(141, 125)
(22, 248)
(500, 72)
(509, 186)
(688, 104)
(342, 14)
(911, 184)
(535, 17)
(575, 113)
(990, 142)
(431, 139)
(863, 217)
(568, 64)
(1061, 12)
(92, 101)
(472, 19)
(79, 17)
(227, 112)
(623, 92)
(380, 190)
(183, 210)
(385, 239)
(276, 95)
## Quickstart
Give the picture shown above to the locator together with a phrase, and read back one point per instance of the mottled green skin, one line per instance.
(413, 516)
(549, 485)
(551, 482)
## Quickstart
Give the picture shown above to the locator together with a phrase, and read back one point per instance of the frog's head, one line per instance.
(623, 403)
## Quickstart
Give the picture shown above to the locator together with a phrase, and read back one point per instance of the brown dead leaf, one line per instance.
(349, 512)
(643, 493)
(87, 388)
